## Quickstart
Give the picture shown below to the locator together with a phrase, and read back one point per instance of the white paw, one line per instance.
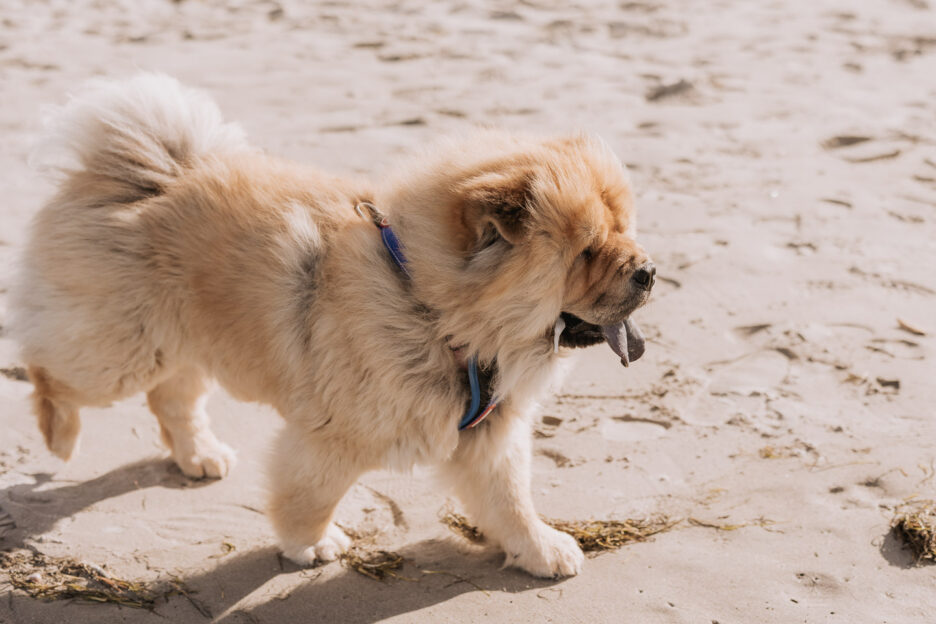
(205, 456)
(547, 553)
(329, 548)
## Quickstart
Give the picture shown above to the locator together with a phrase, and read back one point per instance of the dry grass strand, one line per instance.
(379, 565)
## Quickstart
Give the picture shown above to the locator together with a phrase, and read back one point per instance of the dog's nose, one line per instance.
(645, 276)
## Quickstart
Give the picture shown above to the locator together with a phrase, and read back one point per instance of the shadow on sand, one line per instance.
(896, 552)
(435, 571)
(36, 510)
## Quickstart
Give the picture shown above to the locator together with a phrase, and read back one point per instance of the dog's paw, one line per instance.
(548, 553)
(205, 456)
(329, 548)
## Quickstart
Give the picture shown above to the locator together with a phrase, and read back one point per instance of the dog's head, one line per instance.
(524, 233)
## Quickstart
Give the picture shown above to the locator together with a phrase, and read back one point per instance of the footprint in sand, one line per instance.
(755, 373)
(737, 386)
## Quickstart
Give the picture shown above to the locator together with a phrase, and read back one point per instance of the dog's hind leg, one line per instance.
(490, 471)
(179, 405)
(308, 478)
(57, 414)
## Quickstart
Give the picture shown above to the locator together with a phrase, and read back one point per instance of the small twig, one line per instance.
(460, 579)
(761, 522)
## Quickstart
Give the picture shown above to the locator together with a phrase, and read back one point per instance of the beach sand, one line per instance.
(783, 156)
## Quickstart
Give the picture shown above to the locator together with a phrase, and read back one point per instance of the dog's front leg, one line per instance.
(308, 476)
(490, 471)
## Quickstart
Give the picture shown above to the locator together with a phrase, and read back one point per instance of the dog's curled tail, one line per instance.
(135, 136)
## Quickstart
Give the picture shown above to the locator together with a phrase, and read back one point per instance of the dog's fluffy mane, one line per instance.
(497, 298)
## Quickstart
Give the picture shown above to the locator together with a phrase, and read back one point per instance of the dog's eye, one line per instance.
(587, 254)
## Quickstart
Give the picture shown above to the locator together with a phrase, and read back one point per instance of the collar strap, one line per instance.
(476, 376)
(479, 382)
(390, 241)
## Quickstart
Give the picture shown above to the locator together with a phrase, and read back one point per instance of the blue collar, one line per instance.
(473, 414)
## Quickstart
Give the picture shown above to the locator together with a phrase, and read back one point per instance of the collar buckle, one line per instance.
(367, 210)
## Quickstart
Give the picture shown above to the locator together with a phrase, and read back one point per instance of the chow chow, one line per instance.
(174, 255)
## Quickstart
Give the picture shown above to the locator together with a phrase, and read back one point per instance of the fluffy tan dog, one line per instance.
(173, 254)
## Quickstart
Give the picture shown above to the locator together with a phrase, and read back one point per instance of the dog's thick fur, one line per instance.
(173, 255)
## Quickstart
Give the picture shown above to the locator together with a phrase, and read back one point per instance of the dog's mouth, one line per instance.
(624, 338)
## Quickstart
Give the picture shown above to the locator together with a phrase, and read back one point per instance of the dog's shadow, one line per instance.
(435, 571)
(35, 510)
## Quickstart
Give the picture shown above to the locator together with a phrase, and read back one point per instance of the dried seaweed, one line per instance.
(52, 578)
(591, 535)
(458, 523)
(378, 565)
(915, 524)
(383, 564)
(603, 535)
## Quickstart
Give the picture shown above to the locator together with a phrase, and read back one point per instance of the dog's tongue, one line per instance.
(626, 340)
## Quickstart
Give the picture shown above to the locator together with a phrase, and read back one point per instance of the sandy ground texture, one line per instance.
(784, 159)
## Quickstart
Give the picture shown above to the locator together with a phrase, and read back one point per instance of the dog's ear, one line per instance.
(499, 199)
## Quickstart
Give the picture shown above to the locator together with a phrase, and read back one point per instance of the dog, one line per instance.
(377, 319)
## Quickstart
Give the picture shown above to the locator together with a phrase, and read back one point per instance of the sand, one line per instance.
(781, 411)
